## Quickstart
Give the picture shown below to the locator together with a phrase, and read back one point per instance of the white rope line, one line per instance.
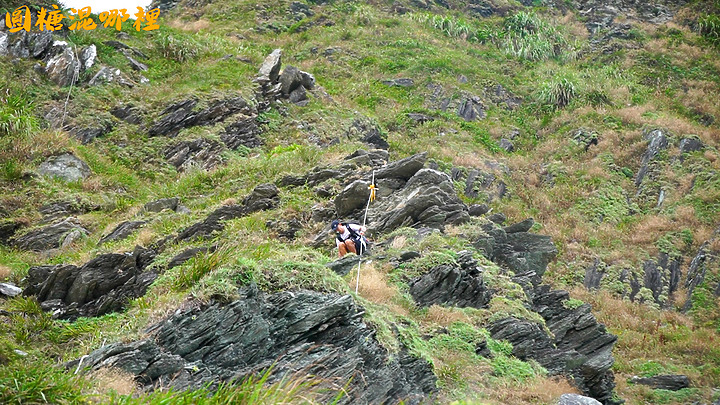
(357, 280)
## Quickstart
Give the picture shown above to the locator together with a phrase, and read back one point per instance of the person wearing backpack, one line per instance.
(349, 238)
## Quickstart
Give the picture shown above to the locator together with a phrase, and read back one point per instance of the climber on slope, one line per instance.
(349, 238)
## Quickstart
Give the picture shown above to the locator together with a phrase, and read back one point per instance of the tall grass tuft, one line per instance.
(454, 27)
(557, 94)
(709, 27)
(527, 36)
(16, 117)
(178, 47)
(254, 390)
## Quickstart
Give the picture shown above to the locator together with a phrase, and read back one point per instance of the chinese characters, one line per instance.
(51, 19)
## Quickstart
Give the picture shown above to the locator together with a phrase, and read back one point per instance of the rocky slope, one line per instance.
(170, 193)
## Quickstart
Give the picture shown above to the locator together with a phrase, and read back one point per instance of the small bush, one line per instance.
(527, 36)
(16, 117)
(557, 94)
(177, 47)
(709, 27)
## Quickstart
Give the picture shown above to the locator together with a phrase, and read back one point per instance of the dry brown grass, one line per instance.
(645, 232)
(373, 285)
(537, 391)
(667, 337)
(445, 316)
(229, 201)
(146, 236)
(190, 26)
(106, 380)
(5, 272)
(399, 242)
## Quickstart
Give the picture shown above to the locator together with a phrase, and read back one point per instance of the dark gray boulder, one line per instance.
(402, 82)
(477, 210)
(352, 198)
(368, 132)
(577, 332)
(162, 204)
(134, 64)
(522, 226)
(186, 255)
(427, 199)
(66, 167)
(402, 169)
(8, 228)
(100, 286)
(263, 197)
(243, 132)
(657, 142)
(664, 382)
(88, 134)
(479, 182)
(122, 231)
(303, 331)
(688, 145)
(500, 96)
(203, 153)
(575, 399)
(458, 285)
(471, 109)
(47, 237)
(344, 265)
(128, 113)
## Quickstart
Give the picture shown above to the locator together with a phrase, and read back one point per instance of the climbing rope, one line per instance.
(371, 197)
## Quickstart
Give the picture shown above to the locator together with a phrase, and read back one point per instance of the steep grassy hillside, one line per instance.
(599, 121)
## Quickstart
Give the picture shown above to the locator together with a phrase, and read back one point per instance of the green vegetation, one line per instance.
(583, 195)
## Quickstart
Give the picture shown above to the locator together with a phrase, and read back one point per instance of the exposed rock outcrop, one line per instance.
(292, 84)
(459, 286)
(63, 65)
(263, 197)
(664, 382)
(657, 142)
(577, 332)
(320, 334)
(243, 132)
(102, 285)
(181, 115)
(48, 237)
(8, 290)
(366, 131)
(122, 231)
(428, 199)
(66, 167)
(203, 153)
